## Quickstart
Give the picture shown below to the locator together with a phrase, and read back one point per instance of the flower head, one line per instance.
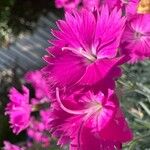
(19, 109)
(85, 50)
(100, 115)
(136, 38)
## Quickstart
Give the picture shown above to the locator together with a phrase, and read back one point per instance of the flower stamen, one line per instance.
(87, 111)
(80, 52)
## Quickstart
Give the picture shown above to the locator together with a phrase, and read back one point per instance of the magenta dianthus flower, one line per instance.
(136, 38)
(99, 116)
(85, 50)
(19, 109)
(114, 3)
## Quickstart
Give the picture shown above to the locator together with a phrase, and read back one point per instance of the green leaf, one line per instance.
(147, 110)
(133, 145)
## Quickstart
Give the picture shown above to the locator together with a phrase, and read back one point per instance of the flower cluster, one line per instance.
(84, 62)
(75, 93)
(135, 41)
(20, 110)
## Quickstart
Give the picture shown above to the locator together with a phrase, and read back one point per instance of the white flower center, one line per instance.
(81, 52)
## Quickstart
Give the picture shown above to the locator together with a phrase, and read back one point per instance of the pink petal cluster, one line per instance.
(82, 115)
(91, 4)
(67, 4)
(36, 79)
(38, 132)
(83, 63)
(19, 109)
(21, 105)
(71, 5)
(89, 46)
(85, 51)
(136, 38)
(9, 146)
(128, 9)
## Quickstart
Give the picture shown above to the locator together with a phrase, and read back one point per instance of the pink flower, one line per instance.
(136, 38)
(91, 4)
(98, 4)
(67, 4)
(9, 146)
(85, 50)
(38, 82)
(100, 115)
(130, 7)
(44, 114)
(19, 109)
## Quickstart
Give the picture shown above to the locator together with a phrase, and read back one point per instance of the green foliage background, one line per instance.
(18, 16)
(134, 92)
